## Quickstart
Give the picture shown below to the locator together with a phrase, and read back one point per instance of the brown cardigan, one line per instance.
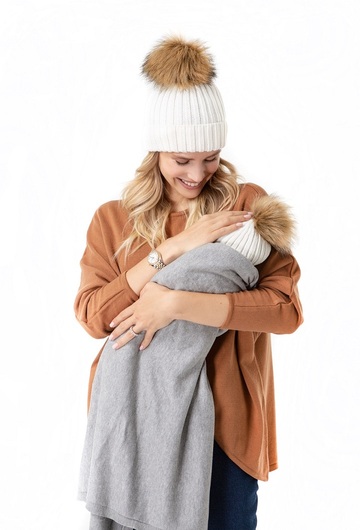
(240, 362)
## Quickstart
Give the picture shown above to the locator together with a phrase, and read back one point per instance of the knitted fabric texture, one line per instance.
(148, 449)
(248, 242)
(185, 111)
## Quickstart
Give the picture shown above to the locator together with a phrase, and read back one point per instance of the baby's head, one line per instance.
(271, 225)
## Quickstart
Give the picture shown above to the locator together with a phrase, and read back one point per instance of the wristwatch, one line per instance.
(155, 260)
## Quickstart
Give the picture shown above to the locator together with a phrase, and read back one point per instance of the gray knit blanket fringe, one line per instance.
(147, 455)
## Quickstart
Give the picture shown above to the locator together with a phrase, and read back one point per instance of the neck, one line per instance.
(179, 206)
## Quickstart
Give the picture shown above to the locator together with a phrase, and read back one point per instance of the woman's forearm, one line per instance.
(207, 230)
(142, 273)
(201, 308)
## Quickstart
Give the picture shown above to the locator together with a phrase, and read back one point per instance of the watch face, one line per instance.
(153, 257)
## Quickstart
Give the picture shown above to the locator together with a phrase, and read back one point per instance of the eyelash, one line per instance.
(187, 161)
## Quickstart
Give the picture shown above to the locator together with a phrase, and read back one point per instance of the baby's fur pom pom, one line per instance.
(274, 221)
(176, 63)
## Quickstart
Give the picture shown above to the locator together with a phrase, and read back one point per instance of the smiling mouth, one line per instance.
(191, 184)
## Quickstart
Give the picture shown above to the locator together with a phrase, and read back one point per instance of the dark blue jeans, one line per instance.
(233, 495)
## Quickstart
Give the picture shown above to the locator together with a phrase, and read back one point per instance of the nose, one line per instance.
(197, 173)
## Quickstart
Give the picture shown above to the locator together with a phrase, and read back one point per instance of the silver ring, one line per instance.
(133, 332)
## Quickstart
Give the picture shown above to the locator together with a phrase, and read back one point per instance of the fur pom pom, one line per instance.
(274, 222)
(176, 63)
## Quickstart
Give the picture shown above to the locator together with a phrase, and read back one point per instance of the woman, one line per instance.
(184, 196)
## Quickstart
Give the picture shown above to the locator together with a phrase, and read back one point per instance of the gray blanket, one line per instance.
(148, 449)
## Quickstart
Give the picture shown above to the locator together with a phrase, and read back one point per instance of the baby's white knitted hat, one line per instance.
(271, 225)
(248, 242)
(185, 111)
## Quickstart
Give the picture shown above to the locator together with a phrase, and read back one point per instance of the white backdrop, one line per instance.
(71, 108)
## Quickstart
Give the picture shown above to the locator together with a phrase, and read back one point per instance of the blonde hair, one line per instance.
(148, 206)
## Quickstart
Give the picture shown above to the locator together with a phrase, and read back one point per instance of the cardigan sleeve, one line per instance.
(104, 291)
(274, 305)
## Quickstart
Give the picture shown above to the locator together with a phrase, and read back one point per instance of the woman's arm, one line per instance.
(206, 230)
(106, 290)
(158, 306)
(272, 307)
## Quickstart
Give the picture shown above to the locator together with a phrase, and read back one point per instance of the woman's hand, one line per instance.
(206, 230)
(151, 312)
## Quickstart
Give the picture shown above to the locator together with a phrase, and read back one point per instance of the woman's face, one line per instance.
(186, 174)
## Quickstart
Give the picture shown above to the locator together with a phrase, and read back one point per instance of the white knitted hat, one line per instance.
(272, 225)
(248, 242)
(185, 111)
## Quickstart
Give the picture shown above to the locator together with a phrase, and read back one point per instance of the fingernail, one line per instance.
(239, 224)
(111, 337)
(248, 215)
(112, 324)
(115, 346)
